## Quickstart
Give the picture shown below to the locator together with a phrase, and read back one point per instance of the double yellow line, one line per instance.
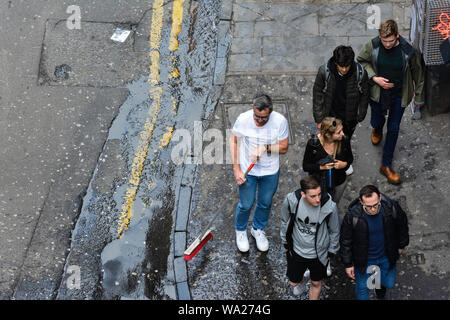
(155, 93)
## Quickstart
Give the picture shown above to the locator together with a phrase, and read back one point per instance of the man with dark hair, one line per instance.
(259, 136)
(310, 233)
(341, 90)
(374, 233)
(396, 77)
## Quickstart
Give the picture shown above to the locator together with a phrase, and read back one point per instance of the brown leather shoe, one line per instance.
(376, 136)
(391, 175)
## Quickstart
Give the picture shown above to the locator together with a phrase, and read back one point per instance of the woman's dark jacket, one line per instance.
(314, 152)
(354, 237)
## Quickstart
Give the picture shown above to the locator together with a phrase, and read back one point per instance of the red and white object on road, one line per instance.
(200, 242)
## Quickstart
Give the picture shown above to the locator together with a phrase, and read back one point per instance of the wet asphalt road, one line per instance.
(88, 183)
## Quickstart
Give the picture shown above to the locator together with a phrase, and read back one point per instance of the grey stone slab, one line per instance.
(179, 265)
(350, 19)
(183, 291)
(244, 62)
(243, 29)
(357, 43)
(291, 12)
(220, 71)
(88, 52)
(299, 53)
(179, 244)
(250, 11)
(246, 45)
(224, 39)
(226, 10)
(184, 202)
(188, 175)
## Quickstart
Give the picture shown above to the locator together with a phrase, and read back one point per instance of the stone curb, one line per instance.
(183, 208)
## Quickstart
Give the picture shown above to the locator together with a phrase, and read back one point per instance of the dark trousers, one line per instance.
(377, 121)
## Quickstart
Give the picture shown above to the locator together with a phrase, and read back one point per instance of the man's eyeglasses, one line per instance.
(375, 207)
(261, 118)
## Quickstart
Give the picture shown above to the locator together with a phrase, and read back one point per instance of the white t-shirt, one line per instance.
(276, 129)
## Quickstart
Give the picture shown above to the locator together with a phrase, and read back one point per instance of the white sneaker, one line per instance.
(349, 171)
(261, 241)
(242, 241)
(329, 272)
(299, 289)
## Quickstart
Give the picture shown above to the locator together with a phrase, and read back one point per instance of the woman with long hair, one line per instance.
(329, 153)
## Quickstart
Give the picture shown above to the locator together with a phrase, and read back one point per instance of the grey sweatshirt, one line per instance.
(310, 223)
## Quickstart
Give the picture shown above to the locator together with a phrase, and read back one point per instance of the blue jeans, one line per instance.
(387, 277)
(267, 185)
(377, 121)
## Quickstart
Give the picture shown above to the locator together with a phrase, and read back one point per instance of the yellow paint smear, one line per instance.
(166, 137)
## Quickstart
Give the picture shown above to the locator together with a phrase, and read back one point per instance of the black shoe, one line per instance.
(381, 293)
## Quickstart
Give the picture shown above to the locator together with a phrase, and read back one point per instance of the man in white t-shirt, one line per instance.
(258, 136)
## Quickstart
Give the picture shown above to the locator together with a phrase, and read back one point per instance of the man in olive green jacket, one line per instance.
(396, 76)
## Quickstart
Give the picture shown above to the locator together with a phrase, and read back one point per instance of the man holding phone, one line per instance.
(258, 136)
(396, 77)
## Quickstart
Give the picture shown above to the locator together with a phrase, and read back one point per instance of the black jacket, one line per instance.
(357, 103)
(354, 240)
(314, 152)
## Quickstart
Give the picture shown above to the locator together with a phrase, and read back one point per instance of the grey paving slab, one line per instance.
(179, 244)
(245, 45)
(249, 11)
(184, 202)
(244, 62)
(180, 269)
(220, 71)
(243, 29)
(226, 10)
(304, 54)
(224, 39)
(349, 19)
(183, 291)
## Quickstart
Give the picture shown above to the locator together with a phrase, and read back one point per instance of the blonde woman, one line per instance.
(329, 153)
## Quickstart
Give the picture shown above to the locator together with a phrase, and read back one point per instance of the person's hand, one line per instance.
(338, 164)
(383, 82)
(400, 251)
(239, 175)
(327, 166)
(256, 153)
(319, 125)
(350, 272)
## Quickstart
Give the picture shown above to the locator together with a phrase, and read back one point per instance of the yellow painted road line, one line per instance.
(177, 20)
(147, 132)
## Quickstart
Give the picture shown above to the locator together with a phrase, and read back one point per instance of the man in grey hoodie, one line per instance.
(312, 237)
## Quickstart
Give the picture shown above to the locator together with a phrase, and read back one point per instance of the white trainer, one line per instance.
(261, 241)
(349, 171)
(242, 241)
(299, 289)
(329, 272)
